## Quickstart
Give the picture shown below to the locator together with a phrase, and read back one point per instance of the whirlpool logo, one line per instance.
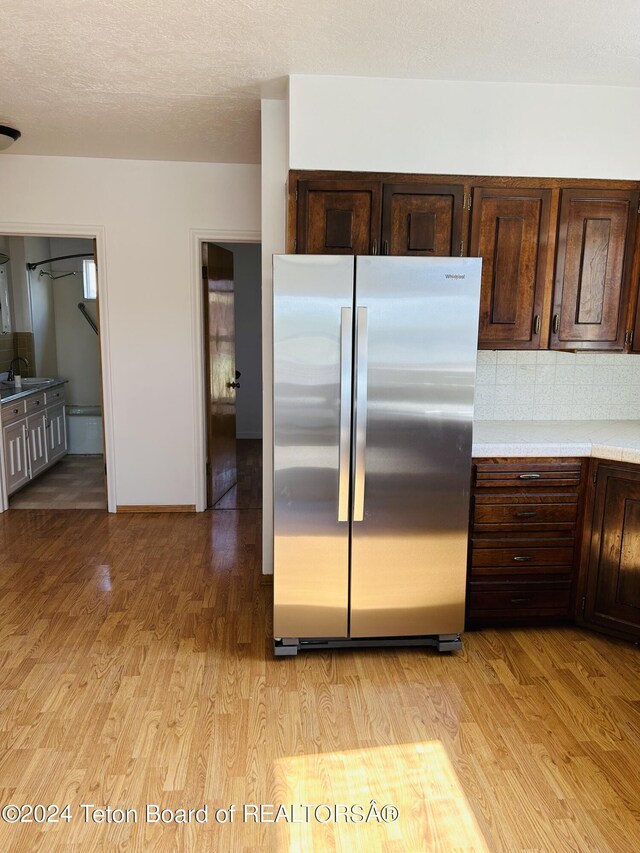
(454, 275)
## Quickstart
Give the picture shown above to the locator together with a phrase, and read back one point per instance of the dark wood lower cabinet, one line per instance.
(522, 552)
(611, 583)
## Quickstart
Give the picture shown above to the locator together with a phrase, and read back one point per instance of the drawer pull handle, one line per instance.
(529, 476)
(520, 600)
(525, 514)
(523, 559)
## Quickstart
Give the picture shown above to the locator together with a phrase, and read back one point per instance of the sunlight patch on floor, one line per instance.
(417, 778)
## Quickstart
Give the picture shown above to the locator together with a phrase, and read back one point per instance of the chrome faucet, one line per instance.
(11, 372)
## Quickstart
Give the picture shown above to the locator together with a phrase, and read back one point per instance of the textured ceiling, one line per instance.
(175, 80)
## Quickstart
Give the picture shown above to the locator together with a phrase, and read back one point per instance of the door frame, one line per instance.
(97, 233)
(198, 237)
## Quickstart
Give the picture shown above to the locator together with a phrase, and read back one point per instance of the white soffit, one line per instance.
(164, 79)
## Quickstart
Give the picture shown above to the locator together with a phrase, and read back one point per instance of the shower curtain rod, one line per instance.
(61, 258)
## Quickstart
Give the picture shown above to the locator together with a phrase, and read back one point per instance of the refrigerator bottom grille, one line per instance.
(290, 646)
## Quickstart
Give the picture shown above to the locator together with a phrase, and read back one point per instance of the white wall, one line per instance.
(248, 316)
(76, 342)
(40, 298)
(275, 165)
(451, 127)
(145, 212)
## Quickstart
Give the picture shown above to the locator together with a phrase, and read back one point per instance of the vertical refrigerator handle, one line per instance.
(360, 431)
(345, 414)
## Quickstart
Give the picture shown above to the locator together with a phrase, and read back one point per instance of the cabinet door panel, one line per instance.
(338, 217)
(509, 231)
(593, 269)
(56, 432)
(422, 220)
(613, 581)
(37, 441)
(15, 455)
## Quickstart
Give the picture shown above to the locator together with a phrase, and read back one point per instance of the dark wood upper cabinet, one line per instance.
(422, 220)
(338, 217)
(509, 231)
(612, 600)
(593, 268)
(635, 330)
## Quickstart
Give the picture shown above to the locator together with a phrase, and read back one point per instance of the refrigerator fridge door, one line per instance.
(312, 340)
(416, 340)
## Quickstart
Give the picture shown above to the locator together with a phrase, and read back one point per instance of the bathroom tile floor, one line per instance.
(76, 482)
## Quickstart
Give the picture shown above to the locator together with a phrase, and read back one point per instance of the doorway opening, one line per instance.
(50, 374)
(232, 284)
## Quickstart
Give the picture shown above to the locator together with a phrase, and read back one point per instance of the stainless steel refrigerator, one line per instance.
(374, 372)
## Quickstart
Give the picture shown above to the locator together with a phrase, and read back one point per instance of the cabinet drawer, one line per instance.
(56, 395)
(34, 403)
(523, 557)
(524, 514)
(13, 411)
(542, 602)
(529, 475)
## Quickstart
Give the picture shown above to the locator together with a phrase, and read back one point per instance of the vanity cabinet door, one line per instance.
(612, 599)
(56, 433)
(15, 455)
(37, 441)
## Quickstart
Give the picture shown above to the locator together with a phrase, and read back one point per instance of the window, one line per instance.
(89, 279)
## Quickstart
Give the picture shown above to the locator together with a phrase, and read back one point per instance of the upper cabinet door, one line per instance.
(422, 220)
(337, 217)
(593, 268)
(509, 231)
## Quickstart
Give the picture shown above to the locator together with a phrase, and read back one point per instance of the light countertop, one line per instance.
(617, 440)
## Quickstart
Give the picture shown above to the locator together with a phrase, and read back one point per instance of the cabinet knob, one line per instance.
(525, 514)
(536, 325)
(556, 323)
(529, 476)
(523, 558)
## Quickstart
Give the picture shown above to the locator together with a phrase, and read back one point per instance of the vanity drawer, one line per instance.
(13, 411)
(54, 396)
(34, 403)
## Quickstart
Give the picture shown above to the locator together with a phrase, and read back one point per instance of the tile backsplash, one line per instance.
(545, 385)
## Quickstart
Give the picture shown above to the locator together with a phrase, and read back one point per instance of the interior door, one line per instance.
(220, 372)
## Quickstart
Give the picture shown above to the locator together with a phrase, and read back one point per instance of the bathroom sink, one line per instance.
(30, 382)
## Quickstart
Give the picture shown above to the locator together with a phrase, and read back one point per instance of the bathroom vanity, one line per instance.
(34, 432)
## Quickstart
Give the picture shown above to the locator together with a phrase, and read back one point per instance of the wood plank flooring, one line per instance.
(137, 668)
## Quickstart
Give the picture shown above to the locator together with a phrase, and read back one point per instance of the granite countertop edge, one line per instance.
(33, 389)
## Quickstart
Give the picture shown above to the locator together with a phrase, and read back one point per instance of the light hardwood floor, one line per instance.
(137, 668)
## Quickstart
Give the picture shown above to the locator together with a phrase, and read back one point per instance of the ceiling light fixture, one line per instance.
(8, 136)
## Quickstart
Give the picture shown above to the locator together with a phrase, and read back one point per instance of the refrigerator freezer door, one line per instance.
(312, 335)
(409, 553)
